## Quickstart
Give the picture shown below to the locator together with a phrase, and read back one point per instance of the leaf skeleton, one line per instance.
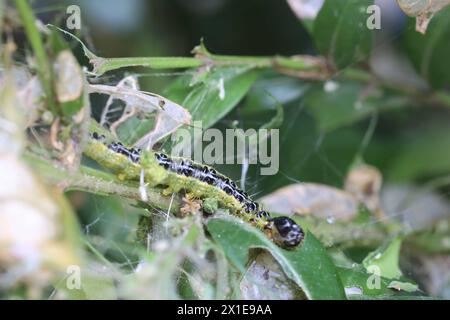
(198, 180)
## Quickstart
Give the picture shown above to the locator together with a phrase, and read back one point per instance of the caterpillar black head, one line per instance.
(97, 136)
(286, 233)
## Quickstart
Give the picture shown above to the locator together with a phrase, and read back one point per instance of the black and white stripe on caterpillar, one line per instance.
(202, 173)
(286, 232)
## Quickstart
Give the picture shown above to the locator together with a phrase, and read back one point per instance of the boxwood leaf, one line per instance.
(309, 265)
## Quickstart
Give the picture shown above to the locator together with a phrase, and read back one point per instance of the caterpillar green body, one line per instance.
(197, 180)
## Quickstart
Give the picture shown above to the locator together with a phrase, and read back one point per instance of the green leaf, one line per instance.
(93, 286)
(338, 108)
(405, 286)
(134, 129)
(97, 286)
(277, 119)
(340, 31)
(272, 88)
(433, 241)
(360, 284)
(309, 265)
(57, 43)
(385, 259)
(355, 279)
(427, 51)
(205, 99)
(428, 155)
(2, 11)
(337, 104)
(306, 11)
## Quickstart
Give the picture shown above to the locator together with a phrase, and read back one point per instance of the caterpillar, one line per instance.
(199, 180)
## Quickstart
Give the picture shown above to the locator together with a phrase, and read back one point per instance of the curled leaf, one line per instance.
(364, 183)
(69, 77)
(265, 280)
(308, 266)
(310, 198)
(169, 115)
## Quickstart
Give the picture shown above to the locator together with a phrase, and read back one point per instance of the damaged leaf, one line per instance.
(169, 115)
(309, 265)
(422, 10)
(310, 198)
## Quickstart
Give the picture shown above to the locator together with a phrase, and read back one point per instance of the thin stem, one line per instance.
(98, 182)
(102, 65)
(100, 256)
(415, 95)
(306, 67)
(300, 66)
(313, 65)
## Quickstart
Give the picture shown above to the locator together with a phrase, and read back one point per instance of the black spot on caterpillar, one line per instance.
(284, 231)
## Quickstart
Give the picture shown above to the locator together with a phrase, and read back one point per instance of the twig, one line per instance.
(98, 182)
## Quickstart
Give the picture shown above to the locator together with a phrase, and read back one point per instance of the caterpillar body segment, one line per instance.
(199, 181)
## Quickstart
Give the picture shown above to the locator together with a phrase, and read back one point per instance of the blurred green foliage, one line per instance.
(328, 126)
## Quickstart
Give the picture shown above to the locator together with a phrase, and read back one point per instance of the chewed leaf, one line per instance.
(265, 280)
(169, 116)
(364, 183)
(69, 77)
(426, 51)
(309, 266)
(29, 91)
(311, 198)
(413, 8)
(422, 10)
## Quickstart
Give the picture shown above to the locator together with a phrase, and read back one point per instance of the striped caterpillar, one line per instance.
(198, 180)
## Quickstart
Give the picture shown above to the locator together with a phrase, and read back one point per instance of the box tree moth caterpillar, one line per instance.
(198, 180)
